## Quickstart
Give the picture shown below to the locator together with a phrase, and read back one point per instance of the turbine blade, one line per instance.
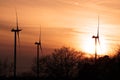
(98, 40)
(17, 27)
(98, 34)
(18, 39)
(40, 36)
(98, 28)
(41, 48)
(40, 40)
(99, 43)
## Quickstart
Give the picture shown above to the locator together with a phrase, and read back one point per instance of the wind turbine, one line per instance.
(39, 47)
(16, 33)
(97, 41)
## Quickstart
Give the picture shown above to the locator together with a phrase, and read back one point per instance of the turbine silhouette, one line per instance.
(39, 47)
(16, 34)
(97, 41)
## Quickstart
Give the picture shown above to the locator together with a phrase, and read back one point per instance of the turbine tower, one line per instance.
(97, 40)
(39, 47)
(16, 34)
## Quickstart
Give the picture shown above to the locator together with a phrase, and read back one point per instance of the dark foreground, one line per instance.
(63, 64)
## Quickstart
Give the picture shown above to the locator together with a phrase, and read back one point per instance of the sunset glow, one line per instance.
(89, 47)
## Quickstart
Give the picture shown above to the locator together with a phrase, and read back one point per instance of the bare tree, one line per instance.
(62, 63)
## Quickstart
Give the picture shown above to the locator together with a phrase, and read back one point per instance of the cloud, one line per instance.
(113, 4)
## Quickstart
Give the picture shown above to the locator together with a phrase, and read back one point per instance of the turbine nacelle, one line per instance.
(95, 36)
(16, 30)
(37, 43)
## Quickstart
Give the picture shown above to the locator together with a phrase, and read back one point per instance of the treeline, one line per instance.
(68, 64)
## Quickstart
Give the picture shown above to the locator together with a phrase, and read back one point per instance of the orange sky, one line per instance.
(64, 23)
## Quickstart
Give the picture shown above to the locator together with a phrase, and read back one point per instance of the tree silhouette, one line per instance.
(67, 64)
(61, 64)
